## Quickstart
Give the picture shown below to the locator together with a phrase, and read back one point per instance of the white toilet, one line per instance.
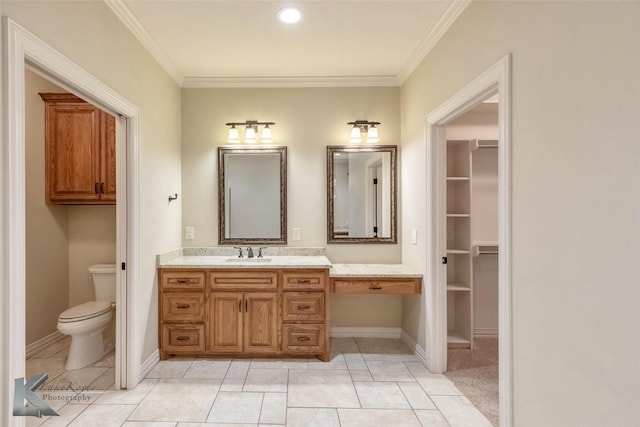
(87, 322)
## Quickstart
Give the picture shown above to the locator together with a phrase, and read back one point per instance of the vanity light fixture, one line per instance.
(251, 132)
(364, 126)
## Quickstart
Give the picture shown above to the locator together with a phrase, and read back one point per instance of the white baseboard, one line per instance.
(149, 364)
(365, 332)
(486, 332)
(419, 351)
(36, 346)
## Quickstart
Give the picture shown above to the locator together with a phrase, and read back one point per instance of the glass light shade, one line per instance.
(266, 138)
(372, 135)
(290, 15)
(355, 135)
(250, 135)
(234, 137)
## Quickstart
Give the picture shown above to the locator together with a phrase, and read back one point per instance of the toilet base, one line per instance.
(85, 350)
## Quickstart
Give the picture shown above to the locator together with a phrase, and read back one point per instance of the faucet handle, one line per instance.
(260, 251)
(249, 252)
(240, 249)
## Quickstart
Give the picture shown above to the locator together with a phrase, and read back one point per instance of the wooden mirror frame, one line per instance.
(392, 149)
(282, 240)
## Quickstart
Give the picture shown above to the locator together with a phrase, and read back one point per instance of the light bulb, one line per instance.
(372, 135)
(355, 134)
(233, 137)
(250, 135)
(266, 135)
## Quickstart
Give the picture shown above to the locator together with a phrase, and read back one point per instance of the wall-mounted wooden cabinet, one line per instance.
(80, 151)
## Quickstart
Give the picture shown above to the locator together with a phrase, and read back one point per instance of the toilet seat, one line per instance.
(85, 311)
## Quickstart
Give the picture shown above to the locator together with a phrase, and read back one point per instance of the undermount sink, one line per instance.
(248, 260)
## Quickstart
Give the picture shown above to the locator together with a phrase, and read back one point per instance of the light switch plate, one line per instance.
(296, 234)
(414, 236)
(190, 233)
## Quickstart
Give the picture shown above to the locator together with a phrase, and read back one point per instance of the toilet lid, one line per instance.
(85, 311)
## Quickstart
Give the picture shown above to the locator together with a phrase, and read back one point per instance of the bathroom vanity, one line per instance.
(253, 307)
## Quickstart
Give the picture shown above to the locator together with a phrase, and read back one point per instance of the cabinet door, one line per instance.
(72, 152)
(108, 157)
(261, 322)
(225, 322)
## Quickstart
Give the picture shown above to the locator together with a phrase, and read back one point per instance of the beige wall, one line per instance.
(307, 120)
(576, 235)
(47, 230)
(90, 35)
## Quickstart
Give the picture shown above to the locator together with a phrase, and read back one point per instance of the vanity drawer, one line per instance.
(182, 280)
(183, 338)
(183, 306)
(304, 280)
(303, 306)
(376, 286)
(303, 338)
(246, 280)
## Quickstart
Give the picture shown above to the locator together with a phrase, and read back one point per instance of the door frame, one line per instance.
(496, 79)
(22, 49)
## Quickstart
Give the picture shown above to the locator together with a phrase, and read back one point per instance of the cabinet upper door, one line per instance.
(72, 152)
(108, 154)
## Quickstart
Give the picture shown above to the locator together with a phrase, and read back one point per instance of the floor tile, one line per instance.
(355, 361)
(52, 366)
(172, 368)
(380, 395)
(149, 424)
(271, 380)
(232, 384)
(208, 369)
(217, 425)
(459, 412)
(177, 400)
(344, 345)
(66, 415)
(103, 416)
(431, 418)
(433, 384)
(391, 357)
(274, 408)
(279, 363)
(79, 379)
(236, 407)
(128, 397)
(382, 346)
(377, 418)
(337, 362)
(238, 369)
(54, 347)
(109, 361)
(361, 376)
(105, 381)
(382, 370)
(327, 389)
(416, 396)
(312, 417)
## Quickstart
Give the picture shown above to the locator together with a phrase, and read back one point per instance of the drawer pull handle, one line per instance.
(182, 281)
(304, 281)
(183, 306)
(375, 288)
(304, 338)
(304, 307)
(182, 338)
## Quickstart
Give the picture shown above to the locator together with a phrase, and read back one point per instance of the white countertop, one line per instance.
(198, 261)
(372, 270)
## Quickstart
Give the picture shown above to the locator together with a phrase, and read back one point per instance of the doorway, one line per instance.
(494, 81)
(22, 49)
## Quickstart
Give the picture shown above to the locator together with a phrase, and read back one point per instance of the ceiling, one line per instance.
(238, 43)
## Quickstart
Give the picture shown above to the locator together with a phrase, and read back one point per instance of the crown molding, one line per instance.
(129, 20)
(454, 10)
(288, 82)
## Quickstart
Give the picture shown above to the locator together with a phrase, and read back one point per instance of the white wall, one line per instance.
(576, 235)
(89, 34)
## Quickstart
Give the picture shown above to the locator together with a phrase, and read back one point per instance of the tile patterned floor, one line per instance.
(368, 382)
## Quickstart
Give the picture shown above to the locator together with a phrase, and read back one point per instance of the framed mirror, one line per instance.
(252, 196)
(361, 194)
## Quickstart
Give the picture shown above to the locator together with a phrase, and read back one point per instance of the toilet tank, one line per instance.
(104, 281)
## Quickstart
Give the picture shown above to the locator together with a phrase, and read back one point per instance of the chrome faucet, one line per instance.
(240, 249)
(260, 251)
(249, 252)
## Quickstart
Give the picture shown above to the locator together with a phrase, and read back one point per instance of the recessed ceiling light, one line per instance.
(290, 15)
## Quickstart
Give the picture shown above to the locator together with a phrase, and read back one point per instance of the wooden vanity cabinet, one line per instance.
(243, 312)
(80, 151)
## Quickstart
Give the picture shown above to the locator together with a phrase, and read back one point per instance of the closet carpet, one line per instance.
(475, 373)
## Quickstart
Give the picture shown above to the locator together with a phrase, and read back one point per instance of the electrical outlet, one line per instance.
(414, 236)
(296, 234)
(190, 233)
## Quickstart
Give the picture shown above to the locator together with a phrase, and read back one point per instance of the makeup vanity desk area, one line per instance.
(374, 279)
